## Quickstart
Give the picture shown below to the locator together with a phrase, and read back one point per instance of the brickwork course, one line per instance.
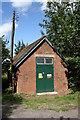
(25, 66)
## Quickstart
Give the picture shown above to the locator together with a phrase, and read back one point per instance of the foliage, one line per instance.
(16, 98)
(74, 73)
(19, 47)
(5, 81)
(5, 63)
(5, 50)
(62, 24)
(5, 54)
(8, 90)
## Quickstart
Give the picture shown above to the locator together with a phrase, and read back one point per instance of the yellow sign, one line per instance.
(40, 75)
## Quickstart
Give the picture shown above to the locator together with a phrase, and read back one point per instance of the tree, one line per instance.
(62, 24)
(5, 54)
(5, 58)
(5, 50)
(19, 47)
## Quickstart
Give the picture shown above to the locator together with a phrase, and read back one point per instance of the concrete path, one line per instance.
(21, 112)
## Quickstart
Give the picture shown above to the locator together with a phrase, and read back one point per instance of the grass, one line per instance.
(66, 99)
(9, 111)
(57, 103)
(16, 99)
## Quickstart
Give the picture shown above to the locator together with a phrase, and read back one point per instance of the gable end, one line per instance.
(44, 38)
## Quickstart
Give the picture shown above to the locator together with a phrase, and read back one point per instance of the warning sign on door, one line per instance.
(40, 75)
(49, 76)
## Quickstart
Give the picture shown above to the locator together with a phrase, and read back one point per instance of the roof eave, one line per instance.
(34, 48)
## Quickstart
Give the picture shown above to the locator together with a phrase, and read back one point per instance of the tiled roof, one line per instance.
(25, 51)
(28, 49)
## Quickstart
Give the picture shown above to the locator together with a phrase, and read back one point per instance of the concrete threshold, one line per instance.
(48, 93)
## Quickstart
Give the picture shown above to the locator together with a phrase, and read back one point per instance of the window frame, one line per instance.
(44, 61)
(40, 57)
(49, 58)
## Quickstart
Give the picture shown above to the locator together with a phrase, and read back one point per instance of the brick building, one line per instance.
(39, 67)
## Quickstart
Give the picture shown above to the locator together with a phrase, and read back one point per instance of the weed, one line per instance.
(16, 98)
(64, 109)
(33, 95)
(9, 111)
(8, 90)
(57, 103)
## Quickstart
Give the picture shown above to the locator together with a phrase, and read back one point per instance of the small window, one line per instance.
(40, 60)
(44, 60)
(48, 61)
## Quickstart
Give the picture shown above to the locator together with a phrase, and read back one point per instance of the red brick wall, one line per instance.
(26, 73)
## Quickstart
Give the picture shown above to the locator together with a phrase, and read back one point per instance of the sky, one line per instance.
(29, 15)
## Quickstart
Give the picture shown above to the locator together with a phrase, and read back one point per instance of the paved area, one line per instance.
(21, 112)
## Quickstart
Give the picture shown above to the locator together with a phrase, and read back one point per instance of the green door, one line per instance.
(44, 75)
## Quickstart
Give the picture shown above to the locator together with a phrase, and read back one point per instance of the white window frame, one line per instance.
(41, 63)
(45, 61)
(48, 63)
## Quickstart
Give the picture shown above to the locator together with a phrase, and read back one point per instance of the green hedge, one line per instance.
(74, 73)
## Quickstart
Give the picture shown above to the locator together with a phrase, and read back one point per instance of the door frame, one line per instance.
(45, 56)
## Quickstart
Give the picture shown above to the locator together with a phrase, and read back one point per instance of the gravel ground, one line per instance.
(11, 111)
